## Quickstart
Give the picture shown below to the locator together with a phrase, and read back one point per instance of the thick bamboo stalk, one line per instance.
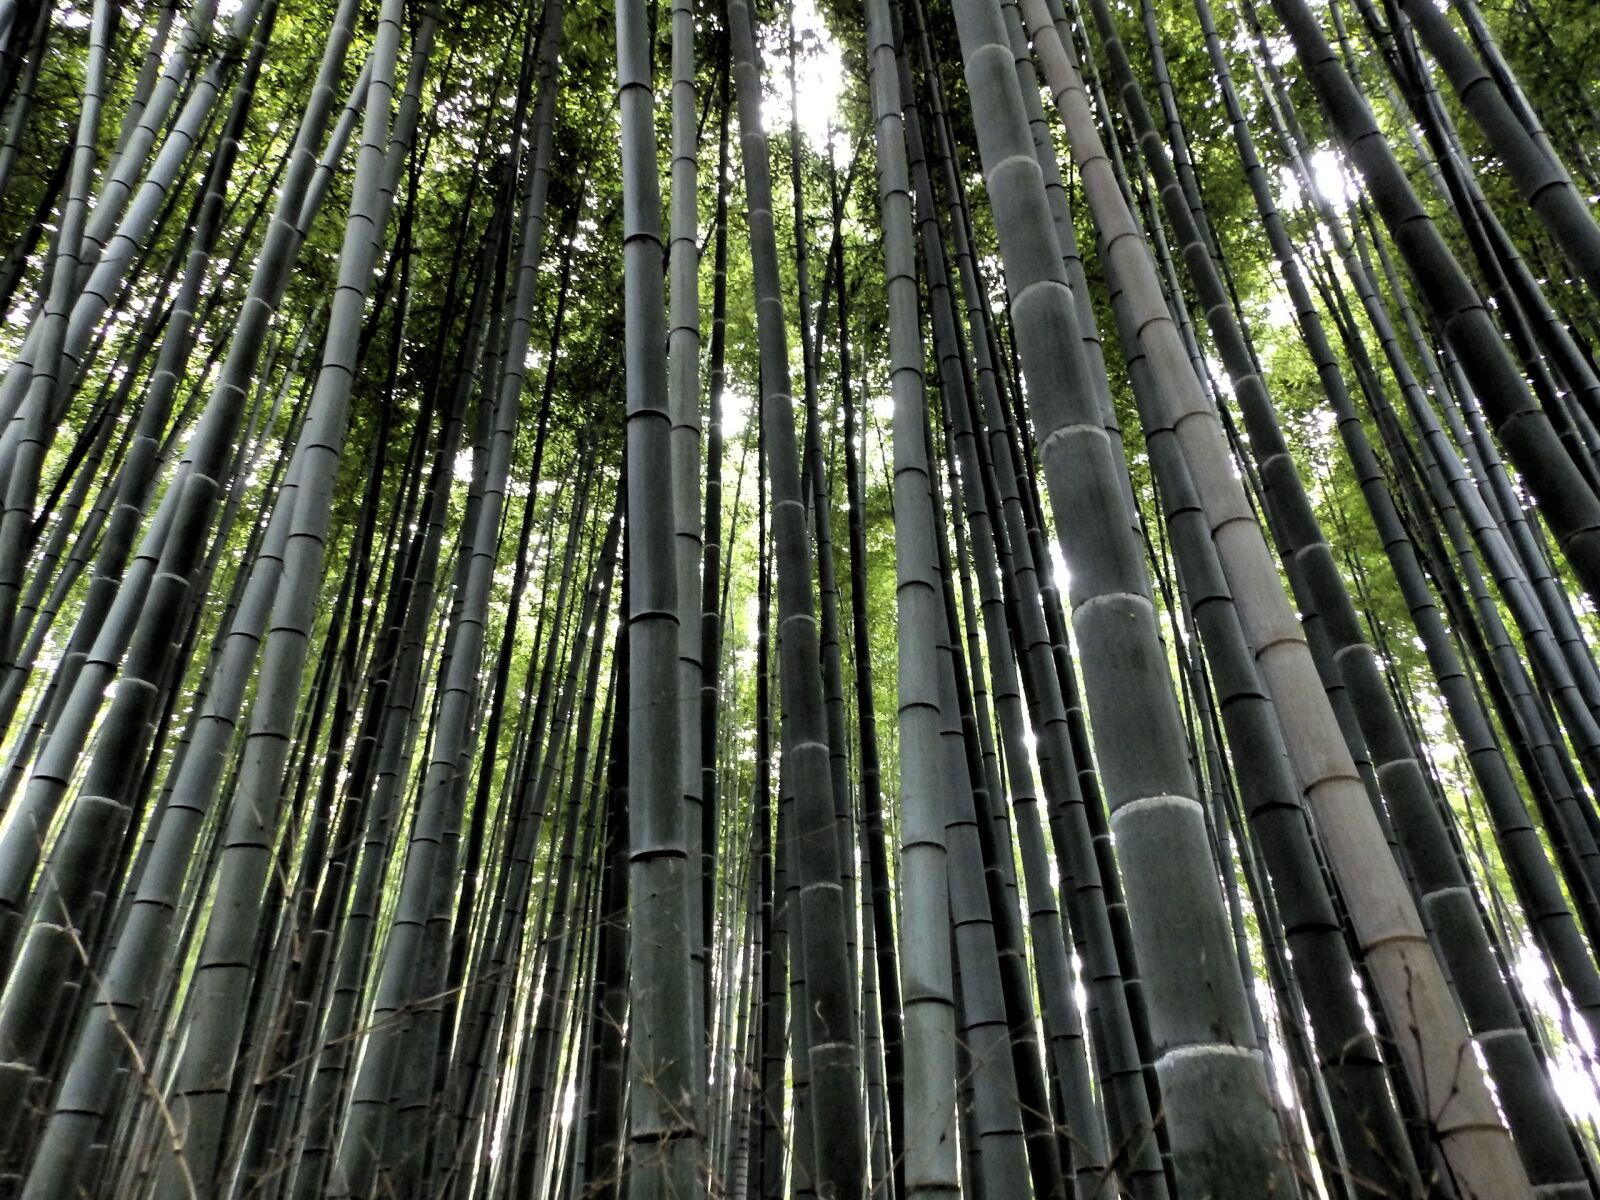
(666, 1094)
(930, 1167)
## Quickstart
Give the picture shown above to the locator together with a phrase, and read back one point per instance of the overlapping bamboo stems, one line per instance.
(832, 1047)
(1399, 1015)
(347, 912)
(1123, 1045)
(415, 580)
(992, 562)
(1372, 1137)
(28, 428)
(116, 1017)
(1530, 317)
(1473, 612)
(728, 1099)
(222, 978)
(482, 925)
(736, 919)
(1463, 506)
(1523, 1088)
(1537, 887)
(18, 376)
(145, 613)
(799, 1131)
(930, 1167)
(1063, 1034)
(40, 380)
(531, 1011)
(974, 695)
(1436, 142)
(127, 520)
(1151, 798)
(883, 977)
(538, 1114)
(573, 1031)
(263, 1110)
(414, 963)
(164, 78)
(1056, 195)
(1116, 1045)
(1521, 303)
(1316, 1105)
(556, 1139)
(278, 1034)
(303, 730)
(1528, 723)
(1571, 109)
(24, 54)
(176, 344)
(1569, 505)
(816, 482)
(1286, 666)
(492, 1024)
(1376, 1157)
(1552, 783)
(1477, 1002)
(1488, 47)
(1194, 699)
(1538, 174)
(133, 483)
(157, 585)
(481, 961)
(1560, 654)
(666, 1027)
(522, 922)
(1005, 1102)
(1554, 772)
(1173, 589)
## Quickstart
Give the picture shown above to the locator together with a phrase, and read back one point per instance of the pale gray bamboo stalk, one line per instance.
(683, 406)
(150, 70)
(927, 988)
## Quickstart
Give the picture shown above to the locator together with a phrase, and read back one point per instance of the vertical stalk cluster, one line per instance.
(446, 530)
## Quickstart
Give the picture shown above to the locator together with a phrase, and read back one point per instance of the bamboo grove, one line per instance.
(900, 598)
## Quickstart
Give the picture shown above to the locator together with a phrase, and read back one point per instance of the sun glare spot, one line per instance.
(819, 79)
(1334, 185)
